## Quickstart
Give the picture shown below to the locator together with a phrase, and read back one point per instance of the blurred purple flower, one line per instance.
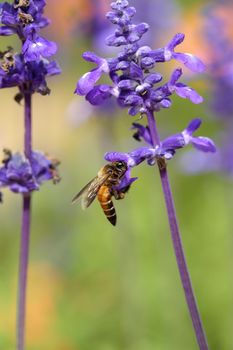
(22, 176)
(221, 57)
(29, 68)
(15, 72)
(220, 74)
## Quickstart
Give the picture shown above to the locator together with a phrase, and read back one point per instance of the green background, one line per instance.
(97, 287)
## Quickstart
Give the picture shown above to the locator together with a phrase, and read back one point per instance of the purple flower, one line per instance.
(171, 144)
(17, 17)
(23, 176)
(36, 47)
(186, 137)
(88, 80)
(183, 90)
(165, 151)
(190, 61)
(220, 67)
(28, 69)
(15, 72)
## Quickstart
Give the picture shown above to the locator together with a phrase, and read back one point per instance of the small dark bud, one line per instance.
(18, 98)
(7, 155)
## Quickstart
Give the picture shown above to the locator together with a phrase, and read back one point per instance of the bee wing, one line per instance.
(90, 191)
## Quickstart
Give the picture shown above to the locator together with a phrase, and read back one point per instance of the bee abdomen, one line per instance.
(104, 197)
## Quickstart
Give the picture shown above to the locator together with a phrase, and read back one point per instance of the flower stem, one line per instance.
(177, 245)
(25, 234)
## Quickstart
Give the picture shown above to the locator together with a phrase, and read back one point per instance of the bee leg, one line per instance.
(118, 195)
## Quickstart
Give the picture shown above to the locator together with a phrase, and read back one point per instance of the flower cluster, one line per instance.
(132, 71)
(97, 28)
(29, 68)
(22, 176)
(137, 85)
(26, 70)
(162, 152)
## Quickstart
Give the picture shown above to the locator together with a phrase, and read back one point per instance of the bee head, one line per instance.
(120, 166)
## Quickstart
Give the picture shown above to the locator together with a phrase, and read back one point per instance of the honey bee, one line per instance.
(102, 187)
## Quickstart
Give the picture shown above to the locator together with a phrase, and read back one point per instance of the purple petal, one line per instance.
(190, 61)
(176, 40)
(143, 51)
(187, 92)
(203, 144)
(133, 100)
(99, 94)
(6, 31)
(141, 28)
(153, 78)
(92, 57)
(193, 126)
(52, 68)
(122, 65)
(176, 74)
(165, 103)
(8, 14)
(134, 110)
(173, 142)
(117, 156)
(141, 154)
(87, 81)
(126, 181)
(127, 84)
(112, 40)
(36, 47)
(135, 71)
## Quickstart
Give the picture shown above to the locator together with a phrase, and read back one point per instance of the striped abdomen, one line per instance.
(104, 197)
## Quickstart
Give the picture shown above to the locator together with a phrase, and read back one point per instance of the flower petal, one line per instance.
(193, 126)
(176, 40)
(187, 92)
(36, 46)
(203, 144)
(6, 31)
(190, 61)
(99, 94)
(87, 81)
(173, 142)
(92, 57)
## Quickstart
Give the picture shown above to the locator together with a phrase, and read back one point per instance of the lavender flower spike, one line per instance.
(26, 70)
(136, 85)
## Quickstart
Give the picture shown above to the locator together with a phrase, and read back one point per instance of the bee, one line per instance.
(103, 187)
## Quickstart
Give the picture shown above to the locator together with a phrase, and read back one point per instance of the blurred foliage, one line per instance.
(93, 286)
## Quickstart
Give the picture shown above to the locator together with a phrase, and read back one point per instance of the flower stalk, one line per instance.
(177, 243)
(25, 231)
(136, 85)
(23, 271)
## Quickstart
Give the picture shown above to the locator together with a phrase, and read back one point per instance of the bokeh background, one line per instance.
(93, 286)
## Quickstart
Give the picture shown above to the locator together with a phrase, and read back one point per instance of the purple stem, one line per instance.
(25, 234)
(177, 244)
